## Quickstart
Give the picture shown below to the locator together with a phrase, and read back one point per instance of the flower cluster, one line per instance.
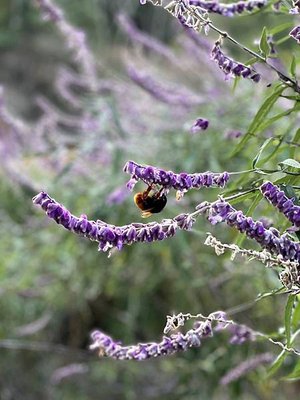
(295, 33)
(283, 203)
(229, 10)
(168, 179)
(200, 124)
(174, 343)
(110, 236)
(269, 239)
(231, 67)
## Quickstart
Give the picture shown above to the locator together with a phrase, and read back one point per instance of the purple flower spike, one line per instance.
(270, 239)
(283, 203)
(295, 34)
(231, 67)
(199, 125)
(168, 179)
(111, 236)
(174, 343)
(229, 10)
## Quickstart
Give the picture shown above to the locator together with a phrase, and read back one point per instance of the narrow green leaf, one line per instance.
(264, 125)
(260, 116)
(262, 148)
(277, 363)
(293, 67)
(295, 374)
(288, 318)
(263, 43)
(296, 316)
(290, 163)
(280, 28)
(296, 140)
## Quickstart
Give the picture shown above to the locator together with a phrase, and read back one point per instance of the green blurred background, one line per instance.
(55, 287)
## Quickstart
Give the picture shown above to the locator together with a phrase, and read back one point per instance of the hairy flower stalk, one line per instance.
(295, 33)
(168, 179)
(229, 10)
(289, 277)
(282, 202)
(177, 342)
(110, 236)
(270, 239)
(75, 40)
(231, 67)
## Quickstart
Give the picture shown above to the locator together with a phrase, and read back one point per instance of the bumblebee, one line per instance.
(150, 203)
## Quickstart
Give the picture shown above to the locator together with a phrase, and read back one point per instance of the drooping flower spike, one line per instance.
(231, 67)
(177, 342)
(270, 239)
(282, 202)
(229, 10)
(110, 236)
(168, 179)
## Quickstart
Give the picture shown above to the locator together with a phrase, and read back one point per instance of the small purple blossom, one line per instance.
(270, 239)
(110, 236)
(168, 179)
(295, 33)
(200, 124)
(283, 203)
(229, 10)
(231, 67)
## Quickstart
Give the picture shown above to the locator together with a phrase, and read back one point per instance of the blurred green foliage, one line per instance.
(45, 270)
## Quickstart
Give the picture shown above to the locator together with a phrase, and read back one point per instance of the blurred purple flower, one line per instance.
(245, 367)
(282, 202)
(233, 134)
(169, 95)
(117, 196)
(74, 38)
(199, 125)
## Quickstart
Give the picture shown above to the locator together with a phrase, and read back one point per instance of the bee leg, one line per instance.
(158, 194)
(146, 214)
(147, 191)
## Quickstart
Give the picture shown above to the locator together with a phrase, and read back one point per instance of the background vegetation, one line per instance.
(55, 287)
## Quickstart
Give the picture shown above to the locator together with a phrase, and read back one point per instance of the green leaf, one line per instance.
(277, 363)
(264, 125)
(295, 374)
(296, 316)
(289, 162)
(296, 140)
(288, 318)
(293, 67)
(263, 43)
(262, 148)
(280, 28)
(260, 116)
